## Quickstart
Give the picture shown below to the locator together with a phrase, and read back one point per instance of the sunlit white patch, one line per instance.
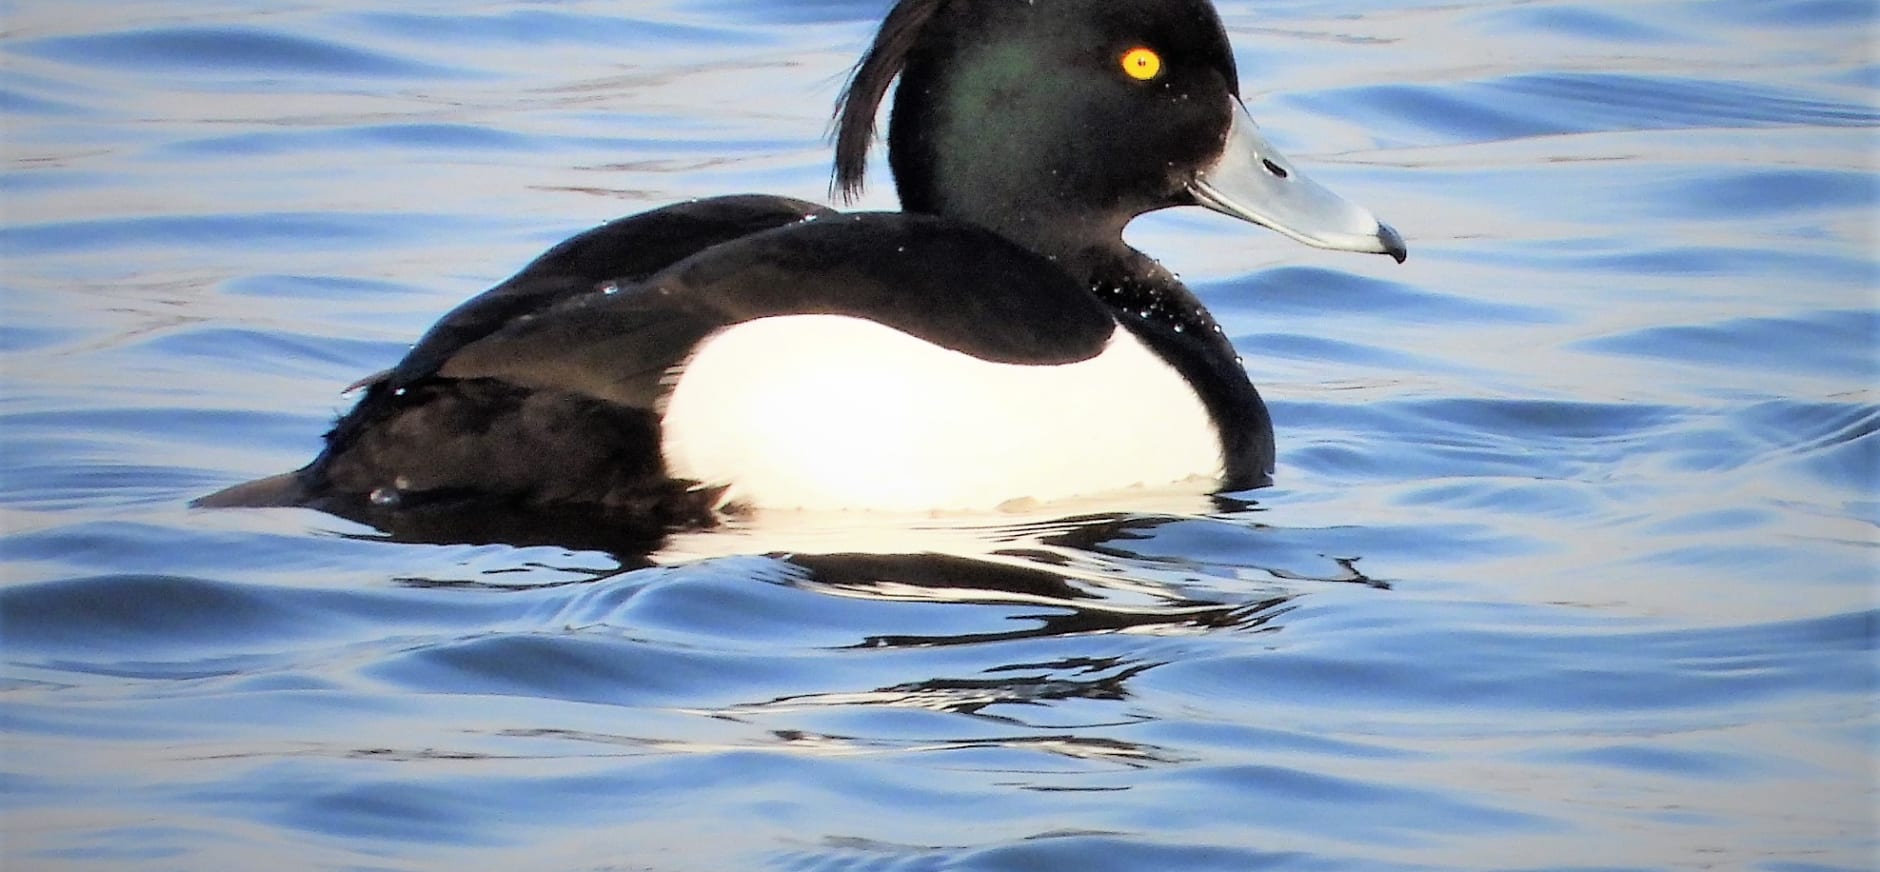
(835, 412)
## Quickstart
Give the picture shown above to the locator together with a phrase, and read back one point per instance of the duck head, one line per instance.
(1056, 122)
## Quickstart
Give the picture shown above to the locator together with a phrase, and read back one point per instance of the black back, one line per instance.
(624, 250)
(949, 283)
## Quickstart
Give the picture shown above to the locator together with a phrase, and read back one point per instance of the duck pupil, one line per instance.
(1274, 168)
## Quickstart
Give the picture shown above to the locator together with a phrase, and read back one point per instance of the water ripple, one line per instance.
(287, 230)
(1832, 342)
(1315, 291)
(1733, 194)
(541, 27)
(1534, 105)
(220, 51)
(1602, 25)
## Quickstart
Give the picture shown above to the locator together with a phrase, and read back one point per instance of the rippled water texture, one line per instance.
(1570, 564)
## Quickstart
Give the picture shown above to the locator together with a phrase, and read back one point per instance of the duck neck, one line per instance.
(957, 182)
(1090, 251)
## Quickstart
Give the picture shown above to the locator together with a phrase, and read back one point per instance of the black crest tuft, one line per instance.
(861, 98)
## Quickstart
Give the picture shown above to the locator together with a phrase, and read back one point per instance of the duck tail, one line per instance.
(286, 489)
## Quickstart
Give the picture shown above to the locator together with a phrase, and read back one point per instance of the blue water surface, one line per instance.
(1570, 563)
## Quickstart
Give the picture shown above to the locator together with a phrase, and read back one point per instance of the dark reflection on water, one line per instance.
(573, 530)
(947, 578)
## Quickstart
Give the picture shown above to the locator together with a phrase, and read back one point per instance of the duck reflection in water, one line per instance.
(1086, 588)
(1076, 583)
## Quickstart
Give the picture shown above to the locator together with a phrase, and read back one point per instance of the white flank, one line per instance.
(836, 412)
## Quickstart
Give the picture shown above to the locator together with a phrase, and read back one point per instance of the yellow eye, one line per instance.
(1142, 64)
